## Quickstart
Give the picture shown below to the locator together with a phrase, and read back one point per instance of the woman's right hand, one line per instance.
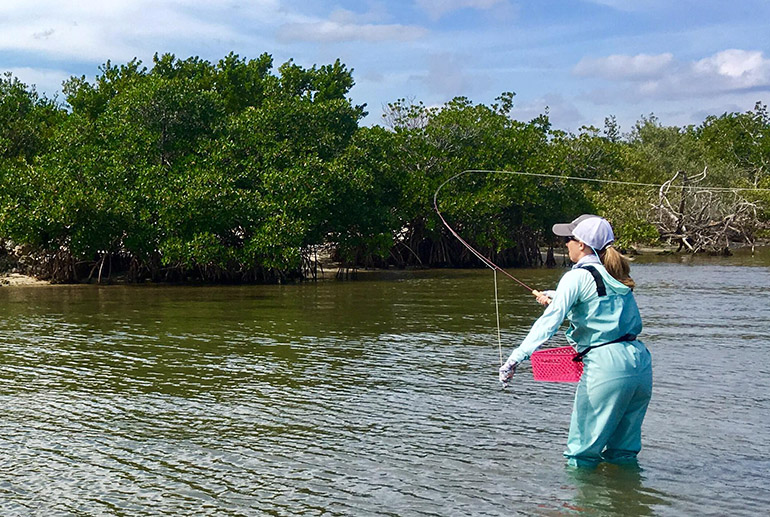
(541, 298)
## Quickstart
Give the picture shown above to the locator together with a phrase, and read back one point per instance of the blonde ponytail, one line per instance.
(617, 265)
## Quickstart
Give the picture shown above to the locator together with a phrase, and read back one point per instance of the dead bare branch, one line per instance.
(703, 220)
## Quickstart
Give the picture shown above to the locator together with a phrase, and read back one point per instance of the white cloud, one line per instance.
(376, 14)
(63, 40)
(117, 29)
(46, 81)
(561, 112)
(628, 5)
(662, 77)
(740, 68)
(335, 31)
(438, 8)
(344, 25)
(625, 67)
(449, 75)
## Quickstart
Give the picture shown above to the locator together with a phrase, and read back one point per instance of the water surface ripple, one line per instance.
(374, 397)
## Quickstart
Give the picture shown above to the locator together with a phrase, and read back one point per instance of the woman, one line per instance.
(615, 389)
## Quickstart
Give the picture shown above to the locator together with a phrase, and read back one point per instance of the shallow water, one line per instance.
(372, 397)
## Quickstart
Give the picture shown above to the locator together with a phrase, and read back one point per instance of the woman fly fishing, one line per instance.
(615, 388)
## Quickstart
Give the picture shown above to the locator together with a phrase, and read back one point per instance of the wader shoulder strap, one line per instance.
(601, 289)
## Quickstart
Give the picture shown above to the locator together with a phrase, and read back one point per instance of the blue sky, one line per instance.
(583, 59)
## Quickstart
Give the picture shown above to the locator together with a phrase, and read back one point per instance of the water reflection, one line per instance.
(613, 490)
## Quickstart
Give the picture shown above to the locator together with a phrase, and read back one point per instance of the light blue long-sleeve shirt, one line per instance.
(595, 320)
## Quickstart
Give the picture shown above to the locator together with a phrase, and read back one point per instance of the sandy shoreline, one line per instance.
(12, 279)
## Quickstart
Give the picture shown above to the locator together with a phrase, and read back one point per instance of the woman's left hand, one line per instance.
(506, 372)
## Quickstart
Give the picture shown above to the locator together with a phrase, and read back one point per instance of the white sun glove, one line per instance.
(506, 372)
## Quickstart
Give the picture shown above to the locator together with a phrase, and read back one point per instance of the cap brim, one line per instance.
(563, 229)
(566, 229)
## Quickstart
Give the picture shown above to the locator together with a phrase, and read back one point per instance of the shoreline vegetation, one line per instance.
(235, 172)
(331, 271)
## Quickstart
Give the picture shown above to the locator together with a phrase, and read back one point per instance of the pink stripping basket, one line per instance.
(556, 365)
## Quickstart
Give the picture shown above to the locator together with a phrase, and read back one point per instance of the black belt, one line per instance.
(579, 357)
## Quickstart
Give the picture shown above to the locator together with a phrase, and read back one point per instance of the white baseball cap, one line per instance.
(588, 228)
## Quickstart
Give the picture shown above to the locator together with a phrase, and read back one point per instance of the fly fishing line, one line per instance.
(495, 268)
(487, 262)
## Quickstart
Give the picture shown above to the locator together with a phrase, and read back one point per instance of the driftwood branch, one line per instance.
(703, 220)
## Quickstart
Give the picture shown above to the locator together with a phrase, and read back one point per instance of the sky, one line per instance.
(579, 60)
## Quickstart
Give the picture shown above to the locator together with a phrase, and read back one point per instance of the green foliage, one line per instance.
(504, 214)
(740, 144)
(26, 120)
(219, 171)
(231, 171)
(363, 220)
